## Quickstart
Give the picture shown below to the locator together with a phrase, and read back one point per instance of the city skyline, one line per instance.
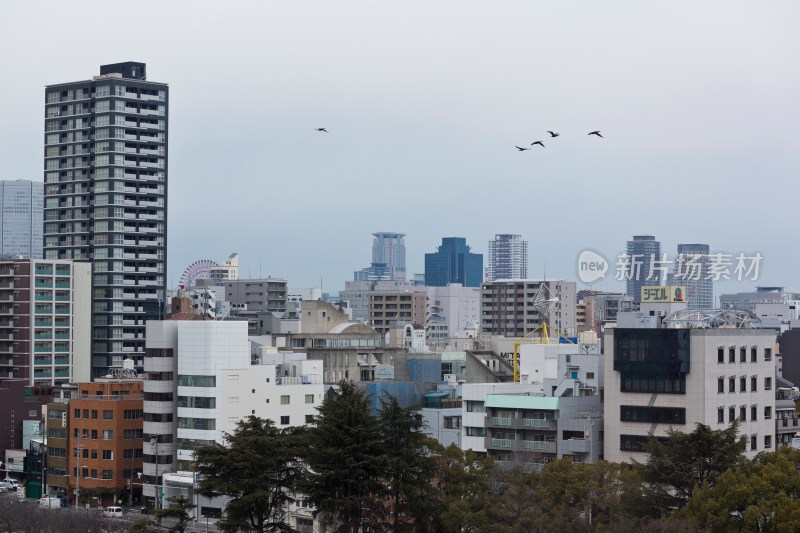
(413, 114)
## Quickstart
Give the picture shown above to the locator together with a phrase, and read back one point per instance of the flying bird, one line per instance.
(521, 149)
(321, 129)
(597, 132)
(540, 143)
(553, 134)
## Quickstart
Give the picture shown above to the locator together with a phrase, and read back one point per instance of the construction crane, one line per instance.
(544, 304)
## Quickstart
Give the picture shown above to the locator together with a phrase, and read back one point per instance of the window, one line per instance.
(720, 415)
(720, 385)
(77, 413)
(309, 419)
(108, 434)
(731, 384)
(284, 420)
(590, 375)
(767, 412)
(94, 434)
(197, 381)
(309, 398)
(753, 383)
(731, 414)
(94, 414)
(720, 355)
(767, 441)
(743, 384)
(731, 354)
(742, 354)
(753, 354)
(108, 474)
(753, 442)
(767, 383)
(753, 412)
(108, 455)
(767, 354)
(658, 415)
(108, 414)
(85, 412)
(285, 399)
(743, 413)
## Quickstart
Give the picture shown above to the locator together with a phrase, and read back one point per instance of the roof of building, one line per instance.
(518, 401)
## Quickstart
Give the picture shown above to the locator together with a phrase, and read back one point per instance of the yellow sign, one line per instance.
(664, 293)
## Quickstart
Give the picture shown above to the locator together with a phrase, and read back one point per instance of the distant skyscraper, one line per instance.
(453, 263)
(690, 269)
(644, 253)
(508, 258)
(390, 249)
(21, 205)
(106, 200)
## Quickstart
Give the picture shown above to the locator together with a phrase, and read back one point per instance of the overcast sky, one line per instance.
(425, 101)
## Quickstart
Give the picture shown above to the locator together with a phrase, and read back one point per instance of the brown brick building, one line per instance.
(103, 447)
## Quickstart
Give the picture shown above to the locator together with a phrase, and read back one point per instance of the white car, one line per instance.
(10, 483)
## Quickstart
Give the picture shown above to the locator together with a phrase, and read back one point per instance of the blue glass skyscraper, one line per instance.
(453, 263)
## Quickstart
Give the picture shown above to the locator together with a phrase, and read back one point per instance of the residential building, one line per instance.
(45, 320)
(711, 370)
(507, 258)
(390, 311)
(453, 262)
(691, 270)
(508, 307)
(645, 265)
(21, 210)
(356, 294)
(452, 316)
(228, 271)
(254, 295)
(787, 422)
(105, 175)
(601, 308)
(103, 440)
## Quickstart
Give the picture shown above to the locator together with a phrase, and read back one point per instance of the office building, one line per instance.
(691, 270)
(509, 309)
(507, 258)
(776, 307)
(45, 313)
(389, 248)
(644, 265)
(356, 294)
(452, 315)
(21, 210)
(712, 369)
(453, 262)
(106, 200)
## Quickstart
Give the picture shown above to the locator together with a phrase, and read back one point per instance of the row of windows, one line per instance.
(636, 443)
(107, 455)
(108, 414)
(658, 415)
(742, 354)
(634, 383)
(107, 434)
(742, 413)
(742, 384)
(92, 473)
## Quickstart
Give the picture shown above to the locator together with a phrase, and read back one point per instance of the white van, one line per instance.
(113, 512)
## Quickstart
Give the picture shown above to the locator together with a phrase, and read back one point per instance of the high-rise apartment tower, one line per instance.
(105, 174)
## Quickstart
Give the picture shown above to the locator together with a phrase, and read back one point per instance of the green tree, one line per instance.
(762, 495)
(685, 460)
(178, 508)
(257, 469)
(409, 467)
(345, 456)
(467, 501)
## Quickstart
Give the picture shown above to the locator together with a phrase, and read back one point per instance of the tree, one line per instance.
(257, 469)
(409, 467)
(178, 508)
(762, 495)
(685, 460)
(466, 500)
(344, 454)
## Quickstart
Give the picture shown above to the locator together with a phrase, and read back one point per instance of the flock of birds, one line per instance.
(553, 135)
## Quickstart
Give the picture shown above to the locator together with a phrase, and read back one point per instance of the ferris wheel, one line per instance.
(198, 270)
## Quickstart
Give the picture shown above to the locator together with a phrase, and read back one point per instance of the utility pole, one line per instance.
(79, 450)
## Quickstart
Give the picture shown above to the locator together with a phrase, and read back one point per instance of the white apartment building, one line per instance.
(694, 371)
(453, 313)
(203, 378)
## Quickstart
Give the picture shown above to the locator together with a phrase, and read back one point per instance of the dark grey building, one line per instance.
(105, 174)
(644, 253)
(453, 262)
